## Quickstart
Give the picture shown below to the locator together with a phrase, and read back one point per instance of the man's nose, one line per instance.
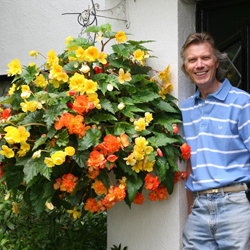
(199, 64)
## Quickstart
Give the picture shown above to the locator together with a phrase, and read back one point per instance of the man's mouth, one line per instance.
(200, 73)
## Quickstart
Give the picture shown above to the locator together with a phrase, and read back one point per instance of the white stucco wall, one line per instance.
(156, 225)
(37, 25)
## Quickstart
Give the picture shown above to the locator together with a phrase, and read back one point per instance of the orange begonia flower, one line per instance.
(112, 143)
(99, 187)
(124, 141)
(82, 104)
(139, 198)
(96, 160)
(112, 158)
(151, 182)
(158, 194)
(185, 151)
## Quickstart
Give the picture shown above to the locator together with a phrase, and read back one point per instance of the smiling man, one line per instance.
(216, 124)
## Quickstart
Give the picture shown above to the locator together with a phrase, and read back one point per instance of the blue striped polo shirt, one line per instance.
(218, 131)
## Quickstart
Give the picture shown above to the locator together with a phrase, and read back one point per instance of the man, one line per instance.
(216, 124)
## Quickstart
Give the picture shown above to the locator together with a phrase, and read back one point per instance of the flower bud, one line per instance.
(121, 106)
(110, 87)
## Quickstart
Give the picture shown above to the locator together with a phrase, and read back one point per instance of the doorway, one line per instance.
(228, 21)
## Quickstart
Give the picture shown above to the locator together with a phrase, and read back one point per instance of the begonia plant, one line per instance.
(90, 127)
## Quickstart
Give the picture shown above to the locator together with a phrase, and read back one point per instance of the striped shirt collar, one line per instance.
(220, 94)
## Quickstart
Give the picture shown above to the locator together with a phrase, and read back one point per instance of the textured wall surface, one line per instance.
(156, 225)
(37, 25)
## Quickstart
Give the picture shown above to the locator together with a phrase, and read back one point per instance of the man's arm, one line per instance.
(189, 194)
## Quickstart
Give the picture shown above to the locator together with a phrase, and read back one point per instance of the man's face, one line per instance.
(201, 64)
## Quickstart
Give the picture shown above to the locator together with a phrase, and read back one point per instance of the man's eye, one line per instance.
(191, 60)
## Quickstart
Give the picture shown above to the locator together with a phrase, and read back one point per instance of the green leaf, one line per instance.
(91, 138)
(81, 158)
(162, 167)
(106, 28)
(169, 181)
(39, 142)
(48, 190)
(164, 106)
(63, 138)
(50, 115)
(70, 67)
(145, 96)
(14, 176)
(36, 198)
(100, 117)
(172, 164)
(121, 50)
(103, 176)
(106, 105)
(133, 185)
(93, 29)
(6, 99)
(124, 127)
(127, 169)
(33, 117)
(28, 73)
(35, 166)
(137, 78)
(161, 140)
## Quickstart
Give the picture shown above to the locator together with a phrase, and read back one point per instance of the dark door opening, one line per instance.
(229, 23)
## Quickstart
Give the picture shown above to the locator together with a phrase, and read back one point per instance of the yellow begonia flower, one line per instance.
(62, 77)
(55, 70)
(49, 162)
(76, 82)
(70, 151)
(91, 54)
(85, 68)
(15, 67)
(31, 106)
(49, 205)
(36, 154)
(52, 59)
(16, 135)
(90, 86)
(25, 88)
(138, 55)
(138, 155)
(123, 77)
(148, 117)
(12, 89)
(7, 152)
(141, 142)
(165, 75)
(58, 157)
(149, 149)
(32, 64)
(40, 81)
(21, 153)
(98, 106)
(148, 166)
(68, 40)
(72, 58)
(15, 208)
(130, 160)
(121, 37)
(55, 83)
(26, 94)
(76, 215)
(93, 98)
(80, 54)
(25, 146)
(33, 53)
(102, 58)
(138, 166)
(140, 124)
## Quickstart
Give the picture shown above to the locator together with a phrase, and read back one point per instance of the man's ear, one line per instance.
(217, 64)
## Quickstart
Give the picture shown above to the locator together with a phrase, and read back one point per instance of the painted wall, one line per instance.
(37, 25)
(156, 225)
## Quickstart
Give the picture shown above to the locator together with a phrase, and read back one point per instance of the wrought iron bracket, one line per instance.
(118, 12)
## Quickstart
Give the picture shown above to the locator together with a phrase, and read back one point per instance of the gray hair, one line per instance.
(197, 38)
